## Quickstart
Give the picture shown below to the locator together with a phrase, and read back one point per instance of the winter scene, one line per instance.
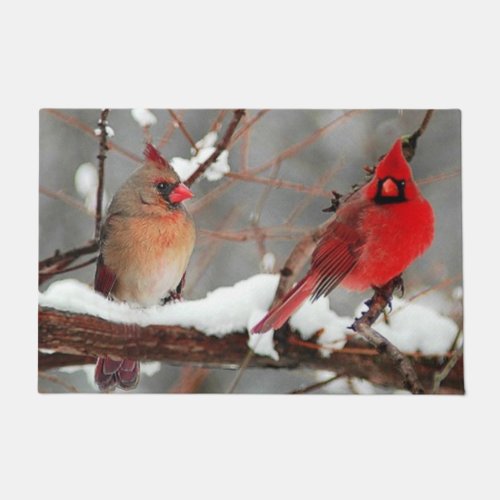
(245, 251)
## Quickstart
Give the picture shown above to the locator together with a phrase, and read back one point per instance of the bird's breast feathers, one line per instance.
(149, 255)
(394, 236)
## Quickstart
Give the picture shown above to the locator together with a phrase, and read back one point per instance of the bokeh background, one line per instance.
(335, 159)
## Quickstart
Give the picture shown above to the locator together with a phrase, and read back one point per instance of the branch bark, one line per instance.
(103, 148)
(221, 146)
(59, 261)
(86, 337)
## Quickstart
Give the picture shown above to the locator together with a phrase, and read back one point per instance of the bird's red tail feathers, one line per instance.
(110, 373)
(277, 316)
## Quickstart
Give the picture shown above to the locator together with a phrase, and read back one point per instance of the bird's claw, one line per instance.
(173, 296)
(399, 284)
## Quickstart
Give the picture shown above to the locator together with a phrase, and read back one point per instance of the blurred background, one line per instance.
(317, 156)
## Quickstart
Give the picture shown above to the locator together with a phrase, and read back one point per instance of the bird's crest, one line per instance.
(394, 164)
(153, 155)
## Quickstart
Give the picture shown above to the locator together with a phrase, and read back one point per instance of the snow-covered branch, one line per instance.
(75, 320)
(221, 146)
(86, 336)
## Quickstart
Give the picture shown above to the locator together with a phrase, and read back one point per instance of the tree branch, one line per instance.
(60, 261)
(102, 125)
(88, 336)
(178, 123)
(221, 146)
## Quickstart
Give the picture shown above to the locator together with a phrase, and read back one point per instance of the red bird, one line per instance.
(146, 242)
(377, 233)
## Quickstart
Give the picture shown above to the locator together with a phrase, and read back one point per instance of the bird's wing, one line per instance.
(334, 257)
(104, 278)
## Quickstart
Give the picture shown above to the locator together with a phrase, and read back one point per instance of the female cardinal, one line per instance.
(377, 233)
(146, 242)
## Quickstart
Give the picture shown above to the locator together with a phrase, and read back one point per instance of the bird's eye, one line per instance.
(162, 186)
(402, 183)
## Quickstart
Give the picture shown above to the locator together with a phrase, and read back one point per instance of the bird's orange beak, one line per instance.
(180, 193)
(390, 188)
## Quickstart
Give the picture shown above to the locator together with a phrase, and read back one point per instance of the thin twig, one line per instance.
(317, 385)
(279, 183)
(204, 259)
(259, 207)
(310, 139)
(244, 365)
(410, 145)
(440, 376)
(217, 123)
(306, 201)
(438, 177)
(246, 128)
(75, 122)
(103, 147)
(270, 232)
(221, 146)
(56, 380)
(211, 196)
(60, 260)
(169, 130)
(65, 198)
(245, 148)
(178, 123)
(190, 380)
(68, 269)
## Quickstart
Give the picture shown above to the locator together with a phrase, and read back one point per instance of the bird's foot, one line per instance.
(399, 285)
(172, 297)
(384, 292)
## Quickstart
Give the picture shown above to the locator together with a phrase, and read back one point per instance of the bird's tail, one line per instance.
(277, 316)
(110, 373)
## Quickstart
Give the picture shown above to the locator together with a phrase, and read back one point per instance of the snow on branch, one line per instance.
(73, 319)
(219, 149)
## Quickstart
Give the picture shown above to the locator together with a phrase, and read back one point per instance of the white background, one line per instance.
(253, 54)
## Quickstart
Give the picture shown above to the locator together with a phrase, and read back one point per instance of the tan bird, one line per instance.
(146, 243)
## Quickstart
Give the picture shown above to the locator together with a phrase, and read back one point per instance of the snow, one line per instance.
(414, 327)
(353, 386)
(88, 370)
(225, 310)
(150, 368)
(46, 351)
(222, 311)
(314, 317)
(262, 343)
(86, 182)
(109, 131)
(208, 141)
(457, 293)
(86, 179)
(268, 262)
(143, 117)
(186, 167)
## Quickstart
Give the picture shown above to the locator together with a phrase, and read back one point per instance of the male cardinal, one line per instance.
(377, 233)
(146, 242)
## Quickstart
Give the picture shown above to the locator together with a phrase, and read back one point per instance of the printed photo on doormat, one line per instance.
(250, 251)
